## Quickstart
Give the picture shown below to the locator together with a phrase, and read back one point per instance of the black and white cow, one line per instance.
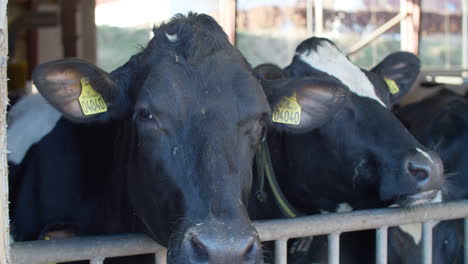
(439, 122)
(347, 149)
(169, 137)
(348, 146)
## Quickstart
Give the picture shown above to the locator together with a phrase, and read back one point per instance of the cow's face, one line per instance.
(351, 113)
(193, 115)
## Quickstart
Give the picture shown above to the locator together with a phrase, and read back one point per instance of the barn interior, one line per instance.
(108, 32)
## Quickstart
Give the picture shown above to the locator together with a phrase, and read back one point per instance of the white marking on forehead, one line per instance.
(425, 154)
(327, 58)
(29, 121)
(343, 208)
(171, 38)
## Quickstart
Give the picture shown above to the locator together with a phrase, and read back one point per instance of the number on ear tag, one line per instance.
(392, 86)
(287, 111)
(91, 102)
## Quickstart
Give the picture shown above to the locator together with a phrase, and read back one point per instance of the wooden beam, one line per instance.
(4, 221)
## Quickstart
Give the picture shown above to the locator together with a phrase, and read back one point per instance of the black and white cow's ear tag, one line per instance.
(91, 102)
(287, 111)
(392, 86)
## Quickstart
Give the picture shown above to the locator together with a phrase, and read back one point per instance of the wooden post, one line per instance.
(409, 29)
(227, 18)
(4, 222)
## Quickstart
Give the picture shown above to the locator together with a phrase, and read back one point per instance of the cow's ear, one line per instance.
(303, 104)
(399, 70)
(80, 90)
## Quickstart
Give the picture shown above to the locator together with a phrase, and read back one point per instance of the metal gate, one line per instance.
(96, 249)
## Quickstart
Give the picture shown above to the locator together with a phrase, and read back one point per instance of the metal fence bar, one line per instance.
(281, 251)
(466, 240)
(334, 248)
(358, 220)
(97, 261)
(90, 248)
(161, 257)
(83, 248)
(381, 245)
(427, 241)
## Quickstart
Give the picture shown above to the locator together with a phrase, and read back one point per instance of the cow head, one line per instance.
(347, 108)
(192, 114)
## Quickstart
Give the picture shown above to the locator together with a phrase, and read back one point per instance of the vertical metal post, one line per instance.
(309, 16)
(464, 4)
(161, 257)
(4, 221)
(427, 241)
(334, 248)
(466, 240)
(98, 260)
(281, 251)
(381, 245)
(318, 18)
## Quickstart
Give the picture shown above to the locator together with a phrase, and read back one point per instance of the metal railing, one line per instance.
(96, 249)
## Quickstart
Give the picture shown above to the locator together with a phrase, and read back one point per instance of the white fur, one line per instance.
(29, 120)
(415, 230)
(343, 208)
(425, 154)
(327, 58)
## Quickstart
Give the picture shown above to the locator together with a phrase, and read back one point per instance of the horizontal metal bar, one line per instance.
(87, 248)
(358, 220)
(83, 248)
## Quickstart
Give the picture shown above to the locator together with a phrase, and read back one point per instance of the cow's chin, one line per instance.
(432, 196)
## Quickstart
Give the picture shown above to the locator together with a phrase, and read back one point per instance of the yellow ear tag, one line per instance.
(91, 101)
(287, 111)
(392, 86)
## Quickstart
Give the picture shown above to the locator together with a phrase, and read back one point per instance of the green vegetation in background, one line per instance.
(116, 45)
(435, 51)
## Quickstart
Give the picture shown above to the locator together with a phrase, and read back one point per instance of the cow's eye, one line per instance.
(145, 115)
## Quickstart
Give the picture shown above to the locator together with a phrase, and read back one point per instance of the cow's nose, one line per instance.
(419, 170)
(426, 169)
(212, 248)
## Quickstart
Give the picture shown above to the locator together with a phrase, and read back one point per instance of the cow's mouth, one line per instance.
(432, 196)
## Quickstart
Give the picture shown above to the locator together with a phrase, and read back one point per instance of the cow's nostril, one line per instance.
(200, 251)
(420, 173)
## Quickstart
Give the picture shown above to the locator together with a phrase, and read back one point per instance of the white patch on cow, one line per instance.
(29, 120)
(425, 154)
(343, 208)
(413, 230)
(438, 198)
(327, 58)
(172, 38)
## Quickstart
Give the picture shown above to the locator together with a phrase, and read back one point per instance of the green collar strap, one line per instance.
(265, 170)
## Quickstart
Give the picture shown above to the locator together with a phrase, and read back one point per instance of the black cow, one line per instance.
(168, 137)
(347, 150)
(440, 122)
